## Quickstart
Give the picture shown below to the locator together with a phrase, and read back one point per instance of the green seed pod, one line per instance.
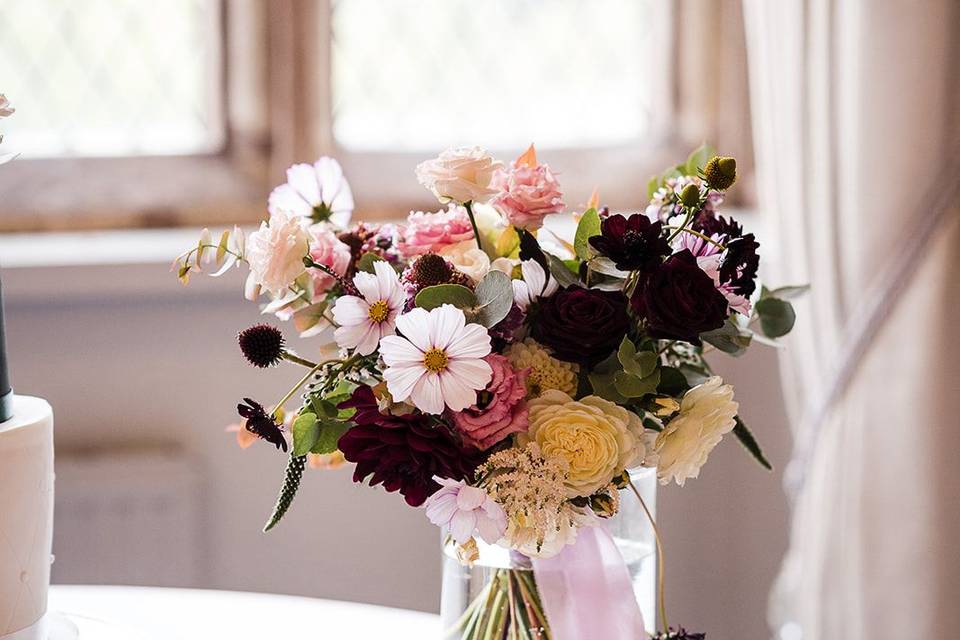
(690, 196)
(721, 172)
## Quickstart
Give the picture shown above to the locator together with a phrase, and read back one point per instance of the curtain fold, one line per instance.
(855, 108)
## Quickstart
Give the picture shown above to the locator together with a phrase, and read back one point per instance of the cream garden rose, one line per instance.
(466, 257)
(276, 250)
(597, 438)
(459, 175)
(706, 413)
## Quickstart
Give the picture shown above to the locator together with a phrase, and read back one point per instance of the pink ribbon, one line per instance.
(586, 590)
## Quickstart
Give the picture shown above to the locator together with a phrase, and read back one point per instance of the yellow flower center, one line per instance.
(379, 311)
(435, 360)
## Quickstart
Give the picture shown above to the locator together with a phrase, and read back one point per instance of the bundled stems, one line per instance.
(660, 567)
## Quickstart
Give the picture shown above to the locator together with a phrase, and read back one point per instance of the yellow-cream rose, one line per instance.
(706, 413)
(597, 438)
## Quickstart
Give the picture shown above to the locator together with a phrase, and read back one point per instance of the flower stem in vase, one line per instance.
(508, 608)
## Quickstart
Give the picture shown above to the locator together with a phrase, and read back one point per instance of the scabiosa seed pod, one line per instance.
(262, 345)
(690, 196)
(720, 172)
(431, 269)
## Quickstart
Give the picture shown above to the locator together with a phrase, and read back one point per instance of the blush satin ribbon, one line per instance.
(586, 590)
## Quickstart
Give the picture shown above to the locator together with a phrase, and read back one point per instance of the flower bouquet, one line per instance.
(503, 374)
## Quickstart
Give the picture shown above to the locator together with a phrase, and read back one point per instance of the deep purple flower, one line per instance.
(740, 264)
(631, 242)
(710, 225)
(679, 301)
(581, 325)
(262, 425)
(405, 452)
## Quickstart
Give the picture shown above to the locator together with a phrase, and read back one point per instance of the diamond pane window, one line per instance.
(111, 77)
(425, 74)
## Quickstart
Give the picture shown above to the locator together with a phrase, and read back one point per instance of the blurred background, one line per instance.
(139, 122)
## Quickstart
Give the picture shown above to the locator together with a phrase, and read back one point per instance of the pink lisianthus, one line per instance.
(466, 510)
(504, 413)
(328, 250)
(430, 232)
(528, 192)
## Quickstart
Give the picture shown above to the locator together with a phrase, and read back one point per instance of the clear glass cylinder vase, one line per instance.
(497, 595)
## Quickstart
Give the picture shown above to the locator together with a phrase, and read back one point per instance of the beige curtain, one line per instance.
(855, 107)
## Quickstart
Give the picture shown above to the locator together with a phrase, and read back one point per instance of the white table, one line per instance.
(147, 613)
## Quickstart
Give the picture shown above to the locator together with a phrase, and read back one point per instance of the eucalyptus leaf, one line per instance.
(588, 227)
(730, 338)
(563, 275)
(494, 295)
(632, 386)
(789, 292)
(640, 364)
(745, 436)
(672, 382)
(603, 385)
(437, 295)
(306, 430)
(776, 316)
(366, 262)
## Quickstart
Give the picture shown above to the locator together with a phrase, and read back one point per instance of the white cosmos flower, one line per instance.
(536, 284)
(438, 361)
(315, 192)
(366, 319)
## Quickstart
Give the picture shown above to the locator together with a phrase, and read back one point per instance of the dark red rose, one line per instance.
(679, 301)
(403, 453)
(581, 325)
(632, 243)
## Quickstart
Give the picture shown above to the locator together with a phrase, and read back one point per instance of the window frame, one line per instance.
(277, 104)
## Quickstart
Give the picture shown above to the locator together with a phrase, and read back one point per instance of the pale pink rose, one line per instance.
(528, 192)
(328, 250)
(430, 232)
(459, 175)
(504, 413)
(276, 251)
(468, 259)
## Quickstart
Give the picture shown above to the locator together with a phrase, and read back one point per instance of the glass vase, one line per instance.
(497, 596)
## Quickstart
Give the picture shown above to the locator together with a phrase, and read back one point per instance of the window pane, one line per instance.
(111, 77)
(417, 75)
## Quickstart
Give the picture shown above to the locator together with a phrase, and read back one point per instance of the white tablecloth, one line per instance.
(144, 613)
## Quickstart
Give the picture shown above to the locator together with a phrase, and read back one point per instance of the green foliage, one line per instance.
(306, 430)
(366, 262)
(602, 380)
(437, 295)
(588, 227)
(329, 436)
(494, 295)
(562, 272)
(776, 316)
(730, 338)
(750, 443)
(291, 483)
(785, 293)
(672, 382)
(698, 159)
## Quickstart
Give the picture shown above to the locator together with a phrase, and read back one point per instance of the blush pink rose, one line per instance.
(504, 413)
(430, 232)
(527, 192)
(328, 250)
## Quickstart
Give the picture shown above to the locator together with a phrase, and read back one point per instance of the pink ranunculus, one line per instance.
(328, 250)
(528, 192)
(503, 414)
(430, 232)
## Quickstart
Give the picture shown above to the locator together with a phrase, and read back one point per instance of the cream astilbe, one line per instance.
(546, 372)
(531, 490)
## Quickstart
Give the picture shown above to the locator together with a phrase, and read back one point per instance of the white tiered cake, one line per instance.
(26, 518)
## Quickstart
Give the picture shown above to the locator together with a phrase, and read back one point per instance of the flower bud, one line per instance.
(690, 196)
(606, 503)
(721, 172)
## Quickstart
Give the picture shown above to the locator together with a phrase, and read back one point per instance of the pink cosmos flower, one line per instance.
(367, 318)
(316, 192)
(504, 413)
(438, 361)
(465, 510)
(528, 192)
(328, 250)
(430, 232)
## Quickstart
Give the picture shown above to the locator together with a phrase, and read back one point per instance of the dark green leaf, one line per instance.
(672, 382)
(366, 262)
(750, 443)
(631, 386)
(563, 275)
(730, 338)
(776, 316)
(588, 227)
(437, 295)
(698, 159)
(652, 185)
(640, 364)
(306, 430)
(330, 433)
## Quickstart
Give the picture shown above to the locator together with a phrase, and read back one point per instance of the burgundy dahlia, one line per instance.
(403, 453)
(581, 325)
(712, 225)
(631, 242)
(679, 301)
